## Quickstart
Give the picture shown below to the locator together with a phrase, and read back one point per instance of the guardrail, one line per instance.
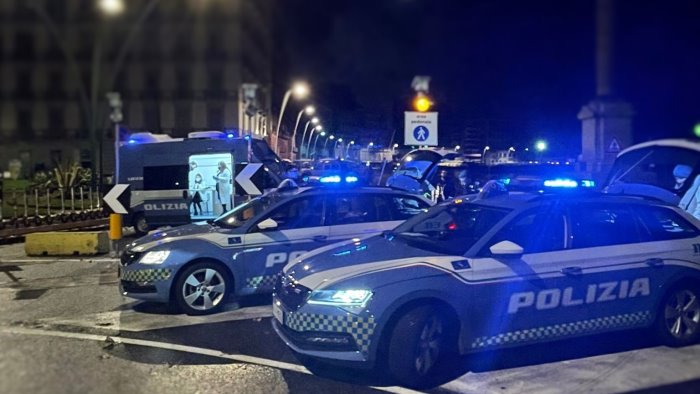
(35, 207)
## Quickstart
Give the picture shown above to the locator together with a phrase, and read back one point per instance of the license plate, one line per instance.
(278, 313)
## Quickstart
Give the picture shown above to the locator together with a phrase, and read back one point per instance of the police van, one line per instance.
(176, 181)
(515, 269)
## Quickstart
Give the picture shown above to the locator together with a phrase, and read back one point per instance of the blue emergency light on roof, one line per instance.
(132, 141)
(587, 183)
(560, 182)
(350, 179)
(330, 179)
(230, 135)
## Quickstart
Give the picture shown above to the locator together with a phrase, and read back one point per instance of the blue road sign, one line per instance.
(421, 133)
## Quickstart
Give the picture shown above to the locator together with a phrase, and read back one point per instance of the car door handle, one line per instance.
(655, 262)
(320, 238)
(572, 271)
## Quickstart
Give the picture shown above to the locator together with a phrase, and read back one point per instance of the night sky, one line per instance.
(528, 65)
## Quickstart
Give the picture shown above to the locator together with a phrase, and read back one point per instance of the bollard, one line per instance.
(115, 233)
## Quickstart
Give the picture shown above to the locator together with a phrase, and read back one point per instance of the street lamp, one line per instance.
(483, 153)
(541, 146)
(335, 146)
(457, 147)
(111, 7)
(311, 134)
(309, 110)
(371, 144)
(322, 134)
(299, 90)
(347, 149)
(313, 121)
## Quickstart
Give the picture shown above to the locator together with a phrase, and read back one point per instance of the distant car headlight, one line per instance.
(354, 297)
(155, 257)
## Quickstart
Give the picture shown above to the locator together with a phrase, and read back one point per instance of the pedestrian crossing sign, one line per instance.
(421, 128)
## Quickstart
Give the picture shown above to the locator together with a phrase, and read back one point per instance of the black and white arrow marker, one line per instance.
(243, 179)
(117, 199)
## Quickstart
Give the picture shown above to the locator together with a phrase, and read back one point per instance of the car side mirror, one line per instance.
(267, 224)
(506, 249)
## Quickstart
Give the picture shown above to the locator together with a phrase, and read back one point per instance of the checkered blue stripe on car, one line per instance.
(151, 275)
(360, 328)
(563, 330)
(261, 282)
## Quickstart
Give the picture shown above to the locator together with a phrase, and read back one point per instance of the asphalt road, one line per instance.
(64, 328)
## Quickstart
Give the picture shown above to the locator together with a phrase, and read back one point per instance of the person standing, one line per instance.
(196, 197)
(223, 185)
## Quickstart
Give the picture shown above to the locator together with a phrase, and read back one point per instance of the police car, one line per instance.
(196, 266)
(511, 270)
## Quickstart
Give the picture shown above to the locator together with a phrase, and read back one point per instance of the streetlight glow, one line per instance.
(332, 137)
(315, 120)
(340, 140)
(309, 110)
(457, 147)
(541, 145)
(111, 7)
(323, 134)
(371, 144)
(300, 90)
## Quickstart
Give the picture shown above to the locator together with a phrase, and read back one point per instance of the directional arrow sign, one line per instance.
(249, 180)
(118, 199)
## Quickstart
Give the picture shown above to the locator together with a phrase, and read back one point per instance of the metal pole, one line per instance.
(303, 137)
(279, 121)
(116, 152)
(315, 141)
(36, 203)
(82, 199)
(308, 145)
(294, 135)
(48, 203)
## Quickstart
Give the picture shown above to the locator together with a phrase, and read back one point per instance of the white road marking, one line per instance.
(58, 260)
(182, 348)
(133, 321)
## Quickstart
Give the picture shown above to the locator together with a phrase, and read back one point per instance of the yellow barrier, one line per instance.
(66, 243)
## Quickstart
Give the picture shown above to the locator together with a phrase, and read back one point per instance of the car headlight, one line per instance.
(354, 297)
(155, 257)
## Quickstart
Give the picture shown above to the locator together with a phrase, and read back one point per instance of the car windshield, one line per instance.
(450, 228)
(670, 168)
(240, 215)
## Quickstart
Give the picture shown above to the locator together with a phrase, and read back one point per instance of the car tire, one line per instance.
(420, 341)
(202, 288)
(141, 226)
(678, 318)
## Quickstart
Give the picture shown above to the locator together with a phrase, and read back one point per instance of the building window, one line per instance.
(57, 124)
(215, 117)
(24, 124)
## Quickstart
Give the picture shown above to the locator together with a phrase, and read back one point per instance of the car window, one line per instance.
(450, 229)
(661, 224)
(359, 208)
(299, 213)
(602, 225)
(537, 231)
(403, 207)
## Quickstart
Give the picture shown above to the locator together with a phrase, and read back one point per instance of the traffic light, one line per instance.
(422, 103)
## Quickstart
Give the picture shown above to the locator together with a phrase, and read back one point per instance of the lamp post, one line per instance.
(311, 134)
(540, 147)
(483, 154)
(325, 144)
(322, 134)
(309, 110)
(347, 149)
(335, 146)
(314, 121)
(299, 90)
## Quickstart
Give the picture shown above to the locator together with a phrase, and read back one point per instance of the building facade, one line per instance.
(178, 65)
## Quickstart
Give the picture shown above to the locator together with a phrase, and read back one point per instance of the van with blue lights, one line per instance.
(509, 270)
(176, 181)
(197, 266)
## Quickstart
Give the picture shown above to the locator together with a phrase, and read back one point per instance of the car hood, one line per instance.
(356, 256)
(170, 235)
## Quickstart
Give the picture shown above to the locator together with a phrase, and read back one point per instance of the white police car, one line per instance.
(196, 266)
(510, 270)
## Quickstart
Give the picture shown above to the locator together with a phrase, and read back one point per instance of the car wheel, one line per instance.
(678, 318)
(141, 226)
(419, 341)
(202, 289)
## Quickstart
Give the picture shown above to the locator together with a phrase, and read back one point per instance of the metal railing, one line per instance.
(37, 207)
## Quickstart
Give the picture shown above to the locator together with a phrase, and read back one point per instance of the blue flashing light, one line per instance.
(230, 135)
(505, 181)
(330, 179)
(247, 138)
(350, 179)
(559, 182)
(131, 142)
(587, 183)
(305, 178)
